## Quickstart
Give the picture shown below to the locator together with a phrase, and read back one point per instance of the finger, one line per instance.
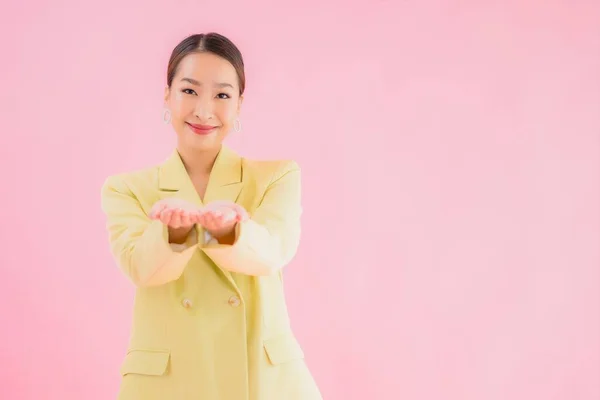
(176, 219)
(230, 206)
(241, 211)
(229, 216)
(197, 213)
(219, 219)
(216, 221)
(186, 219)
(210, 220)
(243, 216)
(203, 220)
(193, 217)
(165, 216)
(157, 209)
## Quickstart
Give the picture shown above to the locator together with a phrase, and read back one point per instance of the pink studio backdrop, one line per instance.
(451, 165)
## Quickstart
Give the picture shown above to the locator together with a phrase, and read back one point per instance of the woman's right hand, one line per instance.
(179, 215)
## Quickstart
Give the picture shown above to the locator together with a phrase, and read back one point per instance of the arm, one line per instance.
(139, 245)
(269, 240)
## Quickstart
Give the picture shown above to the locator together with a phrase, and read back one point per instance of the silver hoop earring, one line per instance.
(166, 116)
(237, 125)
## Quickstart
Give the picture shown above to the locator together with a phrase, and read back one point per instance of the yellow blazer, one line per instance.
(210, 321)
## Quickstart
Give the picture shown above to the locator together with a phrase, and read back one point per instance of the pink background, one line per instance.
(451, 159)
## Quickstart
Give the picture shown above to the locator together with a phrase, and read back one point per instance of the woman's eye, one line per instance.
(188, 91)
(223, 96)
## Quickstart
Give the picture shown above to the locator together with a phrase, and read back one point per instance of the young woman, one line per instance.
(204, 237)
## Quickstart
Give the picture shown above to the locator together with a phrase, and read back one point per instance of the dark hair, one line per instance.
(208, 43)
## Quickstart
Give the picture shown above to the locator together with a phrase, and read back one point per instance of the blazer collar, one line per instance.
(225, 180)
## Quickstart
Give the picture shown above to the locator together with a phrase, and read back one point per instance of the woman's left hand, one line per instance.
(219, 218)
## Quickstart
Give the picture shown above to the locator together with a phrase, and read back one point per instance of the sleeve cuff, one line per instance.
(191, 240)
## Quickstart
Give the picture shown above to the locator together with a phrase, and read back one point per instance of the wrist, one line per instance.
(179, 235)
(226, 237)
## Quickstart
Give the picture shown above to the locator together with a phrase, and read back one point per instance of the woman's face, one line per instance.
(204, 100)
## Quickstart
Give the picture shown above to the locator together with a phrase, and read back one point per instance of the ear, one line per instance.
(167, 93)
(240, 101)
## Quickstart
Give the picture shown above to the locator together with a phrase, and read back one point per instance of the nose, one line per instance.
(204, 108)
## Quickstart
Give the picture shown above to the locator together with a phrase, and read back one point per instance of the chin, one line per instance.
(203, 143)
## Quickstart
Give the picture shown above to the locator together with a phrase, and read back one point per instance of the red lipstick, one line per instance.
(201, 129)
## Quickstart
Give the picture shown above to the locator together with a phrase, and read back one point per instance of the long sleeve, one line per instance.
(140, 245)
(269, 240)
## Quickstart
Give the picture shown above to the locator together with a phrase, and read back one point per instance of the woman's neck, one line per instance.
(198, 162)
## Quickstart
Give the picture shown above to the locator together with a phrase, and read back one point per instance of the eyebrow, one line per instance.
(196, 83)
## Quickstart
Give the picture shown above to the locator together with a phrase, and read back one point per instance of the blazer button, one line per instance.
(187, 303)
(234, 301)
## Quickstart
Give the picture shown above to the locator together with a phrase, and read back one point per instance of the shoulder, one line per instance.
(132, 181)
(142, 180)
(270, 170)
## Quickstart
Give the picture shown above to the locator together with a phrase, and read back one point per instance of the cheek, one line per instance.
(180, 104)
(227, 114)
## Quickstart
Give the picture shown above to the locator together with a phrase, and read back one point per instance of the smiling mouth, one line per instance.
(201, 129)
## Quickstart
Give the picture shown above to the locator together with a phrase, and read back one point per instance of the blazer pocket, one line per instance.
(283, 348)
(146, 362)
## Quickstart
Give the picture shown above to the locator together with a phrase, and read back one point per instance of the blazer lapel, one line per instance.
(174, 181)
(224, 183)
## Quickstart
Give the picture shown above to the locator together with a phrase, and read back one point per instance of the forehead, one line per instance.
(207, 67)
